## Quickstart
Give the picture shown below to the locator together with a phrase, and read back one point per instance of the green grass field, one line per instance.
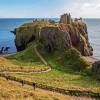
(63, 80)
(23, 61)
(63, 74)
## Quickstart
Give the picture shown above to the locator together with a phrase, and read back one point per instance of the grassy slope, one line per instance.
(23, 61)
(17, 92)
(28, 55)
(62, 75)
(25, 32)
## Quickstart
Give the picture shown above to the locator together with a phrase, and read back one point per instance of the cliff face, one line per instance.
(55, 36)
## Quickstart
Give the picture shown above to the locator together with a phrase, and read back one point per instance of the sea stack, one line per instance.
(54, 36)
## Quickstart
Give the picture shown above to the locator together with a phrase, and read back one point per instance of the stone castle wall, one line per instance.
(65, 18)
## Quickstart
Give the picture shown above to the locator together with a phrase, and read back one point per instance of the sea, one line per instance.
(9, 24)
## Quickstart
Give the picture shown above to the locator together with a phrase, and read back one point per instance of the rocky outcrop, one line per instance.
(96, 67)
(79, 37)
(56, 36)
(14, 31)
(66, 36)
(1, 51)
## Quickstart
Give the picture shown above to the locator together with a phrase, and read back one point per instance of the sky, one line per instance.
(49, 8)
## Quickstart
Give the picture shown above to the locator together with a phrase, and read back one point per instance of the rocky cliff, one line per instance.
(55, 36)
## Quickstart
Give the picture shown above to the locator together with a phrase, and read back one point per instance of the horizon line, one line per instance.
(38, 18)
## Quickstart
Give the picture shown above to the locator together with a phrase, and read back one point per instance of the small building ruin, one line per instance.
(65, 18)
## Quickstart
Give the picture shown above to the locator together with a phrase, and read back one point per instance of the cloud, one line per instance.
(86, 9)
(98, 7)
(88, 5)
(53, 8)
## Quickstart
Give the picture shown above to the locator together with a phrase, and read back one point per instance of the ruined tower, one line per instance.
(65, 18)
(69, 19)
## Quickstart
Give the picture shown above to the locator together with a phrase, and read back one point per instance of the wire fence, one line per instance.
(74, 93)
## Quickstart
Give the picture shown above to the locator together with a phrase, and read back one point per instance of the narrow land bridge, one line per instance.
(32, 72)
(73, 96)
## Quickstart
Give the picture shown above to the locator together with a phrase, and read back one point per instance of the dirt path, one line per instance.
(31, 72)
(49, 69)
(49, 92)
(37, 89)
(38, 54)
(42, 59)
(9, 72)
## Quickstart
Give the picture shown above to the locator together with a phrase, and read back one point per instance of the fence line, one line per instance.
(76, 93)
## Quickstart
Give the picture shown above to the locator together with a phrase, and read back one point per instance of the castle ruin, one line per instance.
(65, 18)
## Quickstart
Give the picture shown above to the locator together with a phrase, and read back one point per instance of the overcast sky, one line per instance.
(49, 8)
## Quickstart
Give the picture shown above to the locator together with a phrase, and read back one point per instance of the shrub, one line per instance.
(75, 60)
(73, 54)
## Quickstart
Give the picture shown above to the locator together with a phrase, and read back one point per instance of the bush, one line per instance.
(73, 54)
(75, 61)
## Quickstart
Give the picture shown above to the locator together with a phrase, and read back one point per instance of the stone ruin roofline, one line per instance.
(65, 14)
(65, 18)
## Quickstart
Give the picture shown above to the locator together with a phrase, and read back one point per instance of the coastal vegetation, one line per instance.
(24, 61)
(73, 74)
(62, 46)
(54, 36)
(17, 92)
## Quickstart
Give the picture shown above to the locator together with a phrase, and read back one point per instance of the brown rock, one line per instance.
(96, 67)
(66, 36)
(55, 37)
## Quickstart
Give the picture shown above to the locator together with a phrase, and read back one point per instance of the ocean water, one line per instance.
(93, 26)
(7, 38)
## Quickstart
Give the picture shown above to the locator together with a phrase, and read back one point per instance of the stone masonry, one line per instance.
(65, 18)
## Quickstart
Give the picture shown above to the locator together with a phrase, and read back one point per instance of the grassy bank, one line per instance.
(26, 60)
(63, 80)
(63, 75)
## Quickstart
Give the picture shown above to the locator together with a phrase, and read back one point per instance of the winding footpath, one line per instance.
(37, 89)
(31, 72)
(68, 97)
(42, 59)
(42, 71)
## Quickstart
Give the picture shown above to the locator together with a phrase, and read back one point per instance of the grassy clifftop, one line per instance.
(25, 61)
(54, 36)
(62, 46)
(69, 70)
